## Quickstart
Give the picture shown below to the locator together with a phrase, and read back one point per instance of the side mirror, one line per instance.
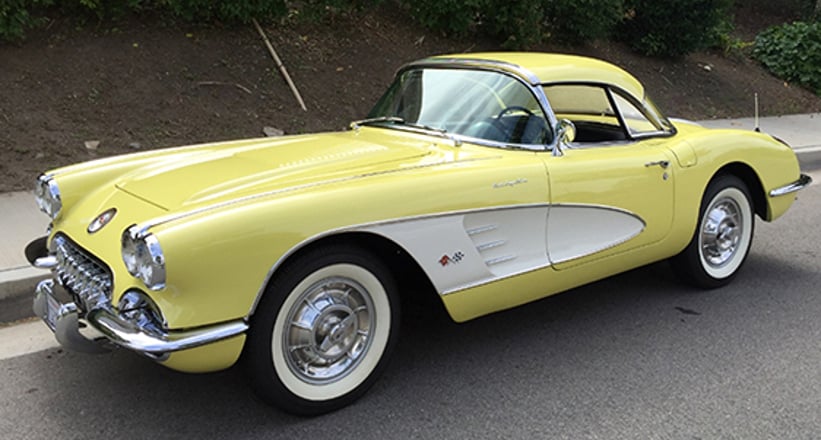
(565, 133)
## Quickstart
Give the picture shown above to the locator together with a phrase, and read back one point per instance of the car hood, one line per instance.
(232, 170)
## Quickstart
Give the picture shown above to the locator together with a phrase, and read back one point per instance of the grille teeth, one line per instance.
(88, 280)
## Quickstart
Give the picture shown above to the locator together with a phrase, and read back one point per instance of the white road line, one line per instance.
(26, 338)
(810, 149)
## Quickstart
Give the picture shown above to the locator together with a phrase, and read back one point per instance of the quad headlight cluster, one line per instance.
(143, 257)
(47, 195)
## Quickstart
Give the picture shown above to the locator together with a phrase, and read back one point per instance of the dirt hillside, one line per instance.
(143, 84)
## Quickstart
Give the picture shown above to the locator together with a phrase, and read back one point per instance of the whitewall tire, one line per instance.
(323, 330)
(723, 235)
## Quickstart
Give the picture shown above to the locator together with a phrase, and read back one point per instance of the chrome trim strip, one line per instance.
(482, 229)
(459, 139)
(473, 231)
(802, 182)
(354, 228)
(527, 77)
(490, 245)
(493, 280)
(499, 260)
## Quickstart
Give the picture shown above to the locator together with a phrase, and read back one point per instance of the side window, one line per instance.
(590, 110)
(637, 123)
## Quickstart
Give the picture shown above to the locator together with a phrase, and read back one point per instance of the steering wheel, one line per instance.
(512, 132)
(514, 108)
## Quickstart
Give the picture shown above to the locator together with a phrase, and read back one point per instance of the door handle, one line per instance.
(662, 163)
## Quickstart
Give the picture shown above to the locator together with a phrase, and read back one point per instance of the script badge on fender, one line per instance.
(102, 220)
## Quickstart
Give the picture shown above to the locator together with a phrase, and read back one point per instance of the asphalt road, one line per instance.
(637, 356)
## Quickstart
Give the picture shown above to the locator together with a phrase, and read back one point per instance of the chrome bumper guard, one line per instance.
(100, 329)
(802, 182)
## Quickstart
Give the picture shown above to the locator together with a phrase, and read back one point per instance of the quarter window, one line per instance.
(635, 120)
(604, 115)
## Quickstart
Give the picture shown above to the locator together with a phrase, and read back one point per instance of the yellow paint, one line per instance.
(230, 212)
(207, 358)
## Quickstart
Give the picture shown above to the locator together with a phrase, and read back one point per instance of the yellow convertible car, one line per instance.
(495, 178)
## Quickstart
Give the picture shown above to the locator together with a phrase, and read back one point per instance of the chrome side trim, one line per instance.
(493, 280)
(802, 182)
(354, 228)
(459, 139)
(470, 232)
(482, 229)
(499, 260)
(489, 245)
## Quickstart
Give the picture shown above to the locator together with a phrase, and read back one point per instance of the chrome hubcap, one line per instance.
(721, 232)
(328, 330)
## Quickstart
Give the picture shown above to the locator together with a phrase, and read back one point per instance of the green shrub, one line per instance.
(453, 17)
(674, 28)
(578, 21)
(523, 23)
(792, 52)
(232, 11)
(798, 9)
(518, 24)
(15, 17)
(316, 10)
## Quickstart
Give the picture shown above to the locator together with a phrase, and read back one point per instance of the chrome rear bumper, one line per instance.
(102, 328)
(802, 182)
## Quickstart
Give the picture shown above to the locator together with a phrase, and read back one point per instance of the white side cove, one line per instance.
(462, 250)
(577, 231)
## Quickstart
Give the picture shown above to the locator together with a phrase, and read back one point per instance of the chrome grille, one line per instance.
(86, 278)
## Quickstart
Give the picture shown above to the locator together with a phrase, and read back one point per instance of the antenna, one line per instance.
(757, 127)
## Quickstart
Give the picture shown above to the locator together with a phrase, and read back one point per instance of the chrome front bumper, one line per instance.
(802, 182)
(103, 328)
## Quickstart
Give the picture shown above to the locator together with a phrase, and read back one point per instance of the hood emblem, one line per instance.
(102, 220)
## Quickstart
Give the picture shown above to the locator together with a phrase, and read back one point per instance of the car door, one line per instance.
(611, 191)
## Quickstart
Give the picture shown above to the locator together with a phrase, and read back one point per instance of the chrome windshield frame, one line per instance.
(524, 76)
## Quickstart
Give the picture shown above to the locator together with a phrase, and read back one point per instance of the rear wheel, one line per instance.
(323, 331)
(722, 238)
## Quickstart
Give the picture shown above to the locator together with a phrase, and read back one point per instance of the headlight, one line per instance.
(143, 257)
(47, 195)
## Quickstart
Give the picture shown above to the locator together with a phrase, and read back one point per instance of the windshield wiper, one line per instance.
(356, 124)
(396, 120)
(399, 121)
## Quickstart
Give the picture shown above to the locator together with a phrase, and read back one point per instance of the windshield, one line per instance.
(479, 104)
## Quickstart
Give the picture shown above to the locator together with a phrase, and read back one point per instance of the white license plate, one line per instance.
(52, 309)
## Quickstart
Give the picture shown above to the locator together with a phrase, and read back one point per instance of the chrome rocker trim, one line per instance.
(70, 326)
(802, 182)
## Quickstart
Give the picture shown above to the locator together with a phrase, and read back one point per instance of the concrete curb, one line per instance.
(16, 291)
(20, 281)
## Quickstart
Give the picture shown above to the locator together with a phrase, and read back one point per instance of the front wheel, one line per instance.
(722, 238)
(323, 331)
